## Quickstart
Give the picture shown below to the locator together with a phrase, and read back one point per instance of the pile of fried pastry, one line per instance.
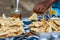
(10, 26)
(52, 25)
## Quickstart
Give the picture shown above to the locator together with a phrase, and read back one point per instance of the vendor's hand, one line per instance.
(43, 6)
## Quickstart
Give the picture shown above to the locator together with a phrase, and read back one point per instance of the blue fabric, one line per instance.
(56, 7)
(56, 4)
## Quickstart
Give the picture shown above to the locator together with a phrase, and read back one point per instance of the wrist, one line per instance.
(50, 2)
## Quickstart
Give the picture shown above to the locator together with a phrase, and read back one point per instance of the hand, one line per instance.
(43, 6)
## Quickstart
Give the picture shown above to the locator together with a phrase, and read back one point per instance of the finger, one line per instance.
(36, 9)
(44, 9)
(40, 10)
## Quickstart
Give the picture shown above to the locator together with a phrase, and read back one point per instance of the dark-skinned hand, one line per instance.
(41, 7)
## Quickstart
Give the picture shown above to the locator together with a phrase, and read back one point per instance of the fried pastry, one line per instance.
(10, 27)
(33, 17)
(57, 22)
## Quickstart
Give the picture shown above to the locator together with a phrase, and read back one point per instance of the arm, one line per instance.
(43, 6)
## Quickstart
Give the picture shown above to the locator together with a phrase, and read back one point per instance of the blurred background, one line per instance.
(6, 6)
